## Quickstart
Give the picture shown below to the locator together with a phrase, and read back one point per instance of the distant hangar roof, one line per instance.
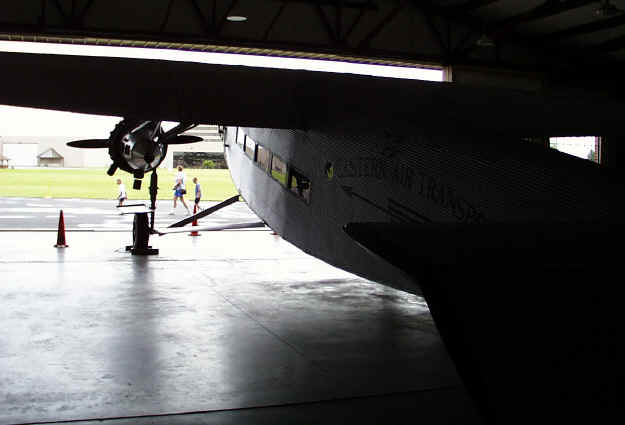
(50, 154)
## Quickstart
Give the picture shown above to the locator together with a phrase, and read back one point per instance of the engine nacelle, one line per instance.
(135, 146)
(139, 146)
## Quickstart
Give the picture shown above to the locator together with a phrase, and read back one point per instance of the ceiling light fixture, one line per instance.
(485, 41)
(235, 18)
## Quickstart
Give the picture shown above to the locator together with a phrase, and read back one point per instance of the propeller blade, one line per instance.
(180, 128)
(89, 143)
(181, 140)
(158, 129)
(112, 169)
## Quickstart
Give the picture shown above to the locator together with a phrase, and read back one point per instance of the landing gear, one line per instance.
(141, 226)
(141, 236)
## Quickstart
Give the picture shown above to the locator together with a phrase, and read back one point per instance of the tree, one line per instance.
(591, 155)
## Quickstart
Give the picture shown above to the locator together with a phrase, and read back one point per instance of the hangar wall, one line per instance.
(73, 158)
(212, 143)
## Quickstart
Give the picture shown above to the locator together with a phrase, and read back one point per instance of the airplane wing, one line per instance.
(233, 226)
(445, 244)
(278, 98)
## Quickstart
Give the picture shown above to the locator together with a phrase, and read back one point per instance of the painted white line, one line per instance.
(101, 225)
(16, 216)
(64, 216)
(77, 211)
(40, 205)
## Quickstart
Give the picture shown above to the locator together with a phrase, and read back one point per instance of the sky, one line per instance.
(16, 121)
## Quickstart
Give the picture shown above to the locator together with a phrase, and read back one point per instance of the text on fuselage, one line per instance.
(408, 178)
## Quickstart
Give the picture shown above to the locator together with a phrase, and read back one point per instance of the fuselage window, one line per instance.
(263, 156)
(250, 147)
(240, 137)
(278, 169)
(300, 185)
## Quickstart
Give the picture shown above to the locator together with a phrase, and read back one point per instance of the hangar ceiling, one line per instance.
(553, 37)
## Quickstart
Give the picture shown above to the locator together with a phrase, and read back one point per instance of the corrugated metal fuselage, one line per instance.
(378, 176)
(313, 225)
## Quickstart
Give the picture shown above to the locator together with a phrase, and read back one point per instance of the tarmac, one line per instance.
(101, 214)
(232, 327)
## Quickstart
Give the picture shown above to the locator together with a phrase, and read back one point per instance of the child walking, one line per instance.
(121, 196)
(198, 193)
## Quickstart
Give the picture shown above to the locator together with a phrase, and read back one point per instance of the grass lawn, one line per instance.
(94, 183)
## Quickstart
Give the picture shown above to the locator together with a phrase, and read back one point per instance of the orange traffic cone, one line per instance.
(195, 232)
(60, 238)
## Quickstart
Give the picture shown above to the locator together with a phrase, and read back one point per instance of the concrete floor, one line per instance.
(229, 327)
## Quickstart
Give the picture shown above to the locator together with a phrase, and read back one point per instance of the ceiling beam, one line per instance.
(110, 35)
(468, 27)
(222, 22)
(42, 15)
(166, 18)
(437, 34)
(346, 4)
(326, 23)
(354, 24)
(599, 25)
(273, 22)
(208, 28)
(504, 32)
(450, 13)
(78, 20)
(472, 5)
(545, 10)
(214, 14)
(338, 15)
(462, 49)
(59, 7)
(365, 42)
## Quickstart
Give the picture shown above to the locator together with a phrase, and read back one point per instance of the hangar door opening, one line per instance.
(21, 154)
(585, 147)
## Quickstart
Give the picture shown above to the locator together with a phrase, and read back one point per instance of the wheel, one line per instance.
(140, 231)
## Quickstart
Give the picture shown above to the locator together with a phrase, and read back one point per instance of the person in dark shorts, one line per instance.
(179, 190)
(198, 193)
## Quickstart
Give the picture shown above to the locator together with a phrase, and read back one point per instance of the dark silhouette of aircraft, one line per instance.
(428, 187)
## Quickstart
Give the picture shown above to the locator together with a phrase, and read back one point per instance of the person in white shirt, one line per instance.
(180, 190)
(121, 197)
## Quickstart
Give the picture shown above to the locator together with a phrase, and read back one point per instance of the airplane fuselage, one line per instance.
(379, 176)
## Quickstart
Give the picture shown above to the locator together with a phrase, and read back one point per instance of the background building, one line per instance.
(52, 151)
